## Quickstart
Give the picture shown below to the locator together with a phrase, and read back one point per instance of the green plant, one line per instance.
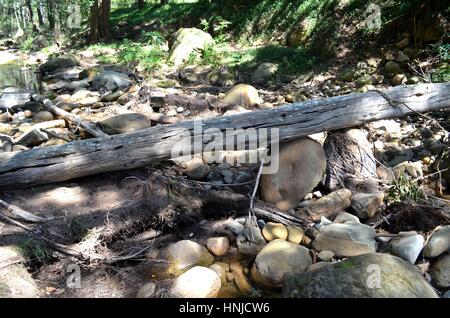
(205, 25)
(26, 44)
(134, 53)
(404, 188)
(34, 251)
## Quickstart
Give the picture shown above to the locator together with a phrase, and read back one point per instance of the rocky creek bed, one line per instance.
(371, 203)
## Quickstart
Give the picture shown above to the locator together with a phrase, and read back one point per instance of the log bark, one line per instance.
(152, 145)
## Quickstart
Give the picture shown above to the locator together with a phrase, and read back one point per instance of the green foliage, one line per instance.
(134, 53)
(404, 188)
(26, 43)
(34, 251)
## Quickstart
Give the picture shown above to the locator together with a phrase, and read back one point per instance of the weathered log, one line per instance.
(148, 146)
(90, 128)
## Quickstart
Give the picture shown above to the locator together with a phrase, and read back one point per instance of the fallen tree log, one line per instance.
(148, 146)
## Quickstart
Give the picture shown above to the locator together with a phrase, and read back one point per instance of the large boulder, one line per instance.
(186, 254)
(302, 163)
(278, 258)
(440, 271)
(185, 41)
(125, 123)
(346, 239)
(39, 42)
(264, 72)
(438, 243)
(348, 153)
(242, 95)
(15, 281)
(111, 81)
(59, 63)
(366, 276)
(198, 282)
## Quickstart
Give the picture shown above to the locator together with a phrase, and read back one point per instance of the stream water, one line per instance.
(19, 76)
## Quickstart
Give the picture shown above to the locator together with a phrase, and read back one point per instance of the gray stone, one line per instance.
(198, 282)
(234, 226)
(147, 291)
(392, 68)
(440, 271)
(365, 205)
(76, 85)
(344, 217)
(302, 163)
(186, 254)
(218, 245)
(185, 41)
(111, 81)
(264, 72)
(58, 63)
(39, 42)
(356, 278)
(345, 240)
(408, 247)
(125, 123)
(196, 169)
(278, 258)
(32, 138)
(250, 241)
(42, 117)
(325, 256)
(438, 243)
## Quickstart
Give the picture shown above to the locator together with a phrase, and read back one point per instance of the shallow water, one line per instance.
(16, 75)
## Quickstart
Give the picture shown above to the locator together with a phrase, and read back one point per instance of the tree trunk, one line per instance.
(39, 14)
(99, 21)
(152, 145)
(140, 4)
(50, 13)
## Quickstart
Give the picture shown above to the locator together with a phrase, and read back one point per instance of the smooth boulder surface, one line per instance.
(186, 254)
(440, 271)
(242, 95)
(273, 231)
(347, 239)
(125, 123)
(301, 168)
(365, 205)
(185, 41)
(198, 282)
(111, 81)
(278, 258)
(58, 63)
(360, 277)
(264, 72)
(408, 247)
(438, 243)
(250, 241)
